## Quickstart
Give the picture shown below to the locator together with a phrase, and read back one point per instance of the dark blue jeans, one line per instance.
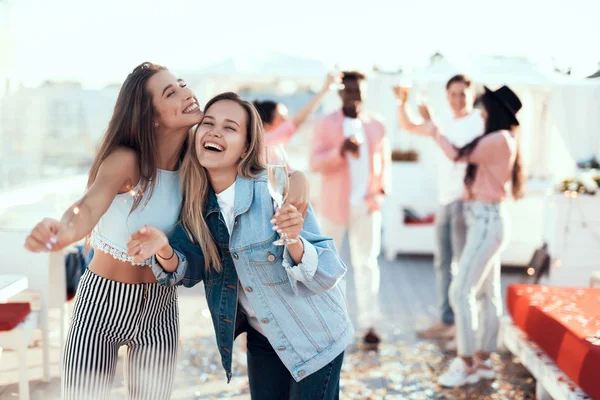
(271, 380)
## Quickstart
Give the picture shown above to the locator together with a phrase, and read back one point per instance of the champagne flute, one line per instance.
(278, 183)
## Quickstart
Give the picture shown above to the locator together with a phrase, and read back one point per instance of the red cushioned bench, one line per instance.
(564, 325)
(12, 314)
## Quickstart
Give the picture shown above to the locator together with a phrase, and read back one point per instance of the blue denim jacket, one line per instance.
(301, 308)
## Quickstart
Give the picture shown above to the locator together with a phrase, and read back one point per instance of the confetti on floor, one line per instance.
(401, 369)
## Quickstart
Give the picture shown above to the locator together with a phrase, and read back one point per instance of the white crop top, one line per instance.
(112, 232)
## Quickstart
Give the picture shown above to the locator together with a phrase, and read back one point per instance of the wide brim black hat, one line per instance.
(507, 99)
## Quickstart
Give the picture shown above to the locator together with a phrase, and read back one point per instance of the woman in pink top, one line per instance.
(494, 165)
(278, 128)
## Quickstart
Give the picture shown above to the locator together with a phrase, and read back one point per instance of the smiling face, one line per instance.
(174, 103)
(460, 97)
(222, 137)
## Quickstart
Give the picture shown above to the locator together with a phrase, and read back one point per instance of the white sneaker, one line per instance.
(485, 369)
(458, 374)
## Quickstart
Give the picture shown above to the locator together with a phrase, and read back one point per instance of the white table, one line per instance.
(11, 285)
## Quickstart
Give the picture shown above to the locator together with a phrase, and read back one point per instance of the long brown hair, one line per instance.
(498, 119)
(132, 126)
(195, 182)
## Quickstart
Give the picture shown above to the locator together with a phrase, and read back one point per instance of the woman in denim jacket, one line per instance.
(286, 298)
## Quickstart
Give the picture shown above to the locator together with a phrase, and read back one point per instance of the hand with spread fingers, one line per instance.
(49, 235)
(149, 241)
(288, 220)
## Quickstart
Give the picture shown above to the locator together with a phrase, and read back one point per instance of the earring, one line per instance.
(156, 124)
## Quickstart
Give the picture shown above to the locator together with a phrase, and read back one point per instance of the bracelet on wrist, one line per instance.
(164, 258)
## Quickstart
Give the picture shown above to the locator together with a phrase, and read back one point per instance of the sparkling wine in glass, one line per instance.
(278, 183)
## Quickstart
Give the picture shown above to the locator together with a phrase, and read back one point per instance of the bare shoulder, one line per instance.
(122, 158)
(122, 164)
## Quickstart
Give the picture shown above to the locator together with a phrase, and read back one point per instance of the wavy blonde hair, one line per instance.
(195, 183)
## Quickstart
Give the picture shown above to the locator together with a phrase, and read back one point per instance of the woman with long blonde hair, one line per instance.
(286, 298)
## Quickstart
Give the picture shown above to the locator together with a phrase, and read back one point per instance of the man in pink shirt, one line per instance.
(351, 150)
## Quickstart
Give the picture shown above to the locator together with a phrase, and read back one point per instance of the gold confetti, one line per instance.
(402, 369)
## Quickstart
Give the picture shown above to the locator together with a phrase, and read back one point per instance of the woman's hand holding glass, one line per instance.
(288, 220)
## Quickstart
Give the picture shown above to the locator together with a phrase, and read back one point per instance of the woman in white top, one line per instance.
(134, 181)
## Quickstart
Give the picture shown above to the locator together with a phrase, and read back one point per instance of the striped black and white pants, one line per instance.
(109, 314)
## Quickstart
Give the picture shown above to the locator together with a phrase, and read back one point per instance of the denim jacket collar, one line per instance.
(244, 194)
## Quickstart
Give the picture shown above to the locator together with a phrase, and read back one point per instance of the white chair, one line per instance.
(18, 339)
(46, 274)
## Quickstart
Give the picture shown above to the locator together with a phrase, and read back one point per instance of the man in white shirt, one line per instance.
(464, 126)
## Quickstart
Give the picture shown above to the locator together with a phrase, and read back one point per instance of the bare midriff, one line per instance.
(107, 267)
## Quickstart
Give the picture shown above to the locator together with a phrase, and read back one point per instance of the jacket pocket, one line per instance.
(266, 260)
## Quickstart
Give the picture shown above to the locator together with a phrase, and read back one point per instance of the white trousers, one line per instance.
(364, 238)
